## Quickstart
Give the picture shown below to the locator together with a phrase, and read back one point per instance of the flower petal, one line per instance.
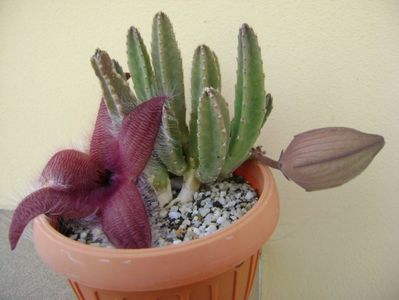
(104, 143)
(71, 169)
(47, 201)
(138, 135)
(125, 220)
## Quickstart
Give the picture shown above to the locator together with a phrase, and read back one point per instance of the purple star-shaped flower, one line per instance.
(77, 185)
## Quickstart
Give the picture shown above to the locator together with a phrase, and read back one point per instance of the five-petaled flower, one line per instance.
(103, 182)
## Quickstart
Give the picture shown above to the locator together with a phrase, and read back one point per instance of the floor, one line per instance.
(26, 277)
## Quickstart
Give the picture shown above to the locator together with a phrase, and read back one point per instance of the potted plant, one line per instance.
(141, 146)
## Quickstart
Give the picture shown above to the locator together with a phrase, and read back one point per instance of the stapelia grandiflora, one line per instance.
(102, 182)
(326, 157)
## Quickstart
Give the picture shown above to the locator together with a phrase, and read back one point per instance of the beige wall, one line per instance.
(327, 63)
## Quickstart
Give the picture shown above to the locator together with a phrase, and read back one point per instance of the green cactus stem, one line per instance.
(158, 176)
(118, 69)
(140, 66)
(120, 101)
(250, 100)
(213, 134)
(205, 73)
(118, 97)
(168, 69)
(146, 87)
(168, 147)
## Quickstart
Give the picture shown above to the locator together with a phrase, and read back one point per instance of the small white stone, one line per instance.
(174, 215)
(238, 212)
(96, 232)
(211, 228)
(208, 219)
(208, 205)
(195, 224)
(185, 209)
(186, 222)
(204, 211)
(224, 224)
(196, 231)
(216, 214)
(222, 200)
(249, 195)
(231, 203)
(221, 220)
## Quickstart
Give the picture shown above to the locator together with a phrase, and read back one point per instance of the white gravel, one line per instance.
(214, 207)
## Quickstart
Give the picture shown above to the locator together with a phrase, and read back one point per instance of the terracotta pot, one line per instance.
(220, 266)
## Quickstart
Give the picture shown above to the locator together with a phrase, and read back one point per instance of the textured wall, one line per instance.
(327, 63)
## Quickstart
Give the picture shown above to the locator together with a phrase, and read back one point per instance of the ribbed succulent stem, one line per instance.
(119, 99)
(168, 69)
(140, 66)
(250, 100)
(158, 177)
(205, 73)
(213, 125)
(169, 147)
(118, 68)
(146, 87)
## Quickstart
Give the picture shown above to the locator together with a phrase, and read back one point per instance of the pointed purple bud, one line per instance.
(138, 135)
(125, 220)
(328, 157)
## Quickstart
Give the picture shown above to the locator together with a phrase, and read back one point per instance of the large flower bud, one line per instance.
(328, 157)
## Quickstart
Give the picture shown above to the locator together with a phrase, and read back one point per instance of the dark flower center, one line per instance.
(104, 177)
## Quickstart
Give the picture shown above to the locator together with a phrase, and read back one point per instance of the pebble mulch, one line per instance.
(214, 207)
